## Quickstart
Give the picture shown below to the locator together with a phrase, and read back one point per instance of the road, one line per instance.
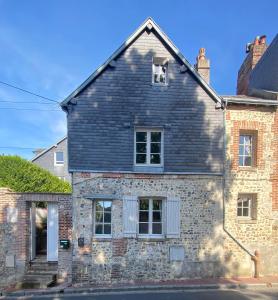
(268, 294)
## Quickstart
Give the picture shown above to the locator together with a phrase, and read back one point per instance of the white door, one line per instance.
(32, 231)
(52, 232)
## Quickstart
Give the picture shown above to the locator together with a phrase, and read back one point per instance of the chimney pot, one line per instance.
(203, 65)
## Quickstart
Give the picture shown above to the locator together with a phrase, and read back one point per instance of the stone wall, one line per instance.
(15, 233)
(208, 249)
(260, 232)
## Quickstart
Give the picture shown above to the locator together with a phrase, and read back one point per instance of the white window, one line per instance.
(59, 158)
(103, 211)
(246, 206)
(150, 217)
(160, 71)
(246, 150)
(148, 147)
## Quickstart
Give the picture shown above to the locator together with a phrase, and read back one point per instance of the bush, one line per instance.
(20, 175)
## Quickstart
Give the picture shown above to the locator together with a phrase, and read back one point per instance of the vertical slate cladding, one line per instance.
(101, 124)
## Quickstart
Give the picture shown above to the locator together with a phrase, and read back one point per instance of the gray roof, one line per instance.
(265, 74)
(149, 23)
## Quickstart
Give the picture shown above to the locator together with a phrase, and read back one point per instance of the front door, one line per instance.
(52, 232)
(32, 231)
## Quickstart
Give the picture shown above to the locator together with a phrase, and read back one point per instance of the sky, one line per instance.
(51, 47)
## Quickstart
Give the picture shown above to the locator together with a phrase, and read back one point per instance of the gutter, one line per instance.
(251, 101)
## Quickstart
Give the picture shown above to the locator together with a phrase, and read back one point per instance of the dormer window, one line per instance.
(160, 70)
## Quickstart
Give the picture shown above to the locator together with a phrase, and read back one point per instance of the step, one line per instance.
(30, 281)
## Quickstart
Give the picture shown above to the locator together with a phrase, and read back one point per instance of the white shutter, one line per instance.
(130, 212)
(173, 218)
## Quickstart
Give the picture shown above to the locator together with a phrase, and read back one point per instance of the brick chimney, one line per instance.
(255, 51)
(203, 65)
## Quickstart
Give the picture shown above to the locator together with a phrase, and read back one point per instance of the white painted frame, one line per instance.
(166, 74)
(242, 198)
(251, 149)
(102, 236)
(150, 211)
(58, 162)
(149, 131)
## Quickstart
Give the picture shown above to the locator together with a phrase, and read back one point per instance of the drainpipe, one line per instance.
(254, 257)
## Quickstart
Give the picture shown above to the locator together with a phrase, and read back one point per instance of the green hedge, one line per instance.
(20, 175)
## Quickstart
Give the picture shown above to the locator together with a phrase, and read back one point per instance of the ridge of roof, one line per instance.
(148, 23)
(49, 148)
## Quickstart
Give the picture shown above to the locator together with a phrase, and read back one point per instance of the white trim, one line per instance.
(148, 23)
(101, 236)
(166, 75)
(148, 154)
(242, 198)
(59, 162)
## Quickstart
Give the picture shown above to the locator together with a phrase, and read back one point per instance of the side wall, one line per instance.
(261, 232)
(208, 251)
(15, 233)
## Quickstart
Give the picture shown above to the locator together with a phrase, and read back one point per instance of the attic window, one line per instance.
(160, 70)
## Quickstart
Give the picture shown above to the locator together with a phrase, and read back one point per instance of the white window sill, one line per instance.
(246, 220)
(151, 236)
(160, 84)
(102, 236)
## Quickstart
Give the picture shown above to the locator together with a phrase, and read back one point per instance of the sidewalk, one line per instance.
(189, 284)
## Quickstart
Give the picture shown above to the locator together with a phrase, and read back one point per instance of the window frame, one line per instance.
(254, 138)
(251, 205)
(166, 73)
(97, 235)
(150, 218)
(56, 162)
(148, 144)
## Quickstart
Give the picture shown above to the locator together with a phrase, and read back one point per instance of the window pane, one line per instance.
(156, 137)
(107, 218)
(157, 228)
(144, 204)
(155, 158)
(99, 229)
(247, 150)
(99, 205)
(143, 216)
(155, 148)
(241, 150)
(241, 161)
(248, 139)
(107, 228)
(141, 136)
(157, 204)
(245, 212)
(241, 139)
(239, 212)
(59, 157)
(99, 217)
(141, 158)
(247, 161)
(107, 205)
(156, 216)
(143, 228)
(141, 148)
(156, 78)
(245, 203)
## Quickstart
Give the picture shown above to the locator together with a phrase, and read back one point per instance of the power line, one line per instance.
(15, 108)
(15, 147)
(28, 92)
(26, 102)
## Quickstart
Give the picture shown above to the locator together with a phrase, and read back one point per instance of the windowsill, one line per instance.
(246, 221)
(148, 168)
(102, 237)
(151, 238)
(160, 84)
(247, 169)
(58, 165)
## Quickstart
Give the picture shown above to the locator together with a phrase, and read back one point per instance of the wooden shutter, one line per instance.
(173, 218)
(130, 212)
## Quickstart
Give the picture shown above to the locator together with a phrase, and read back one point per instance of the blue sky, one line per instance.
(50, 47)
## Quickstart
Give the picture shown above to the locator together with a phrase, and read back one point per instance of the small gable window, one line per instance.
(59, 158)
(160, 70)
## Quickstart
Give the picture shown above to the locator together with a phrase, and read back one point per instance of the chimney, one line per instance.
(255, 51)
(202, 65)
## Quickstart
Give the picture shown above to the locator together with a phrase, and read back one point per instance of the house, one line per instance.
(54, 159)
(154, 196)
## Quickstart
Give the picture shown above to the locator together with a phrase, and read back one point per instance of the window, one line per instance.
(103, 217)
(148, 144)
(59, 158)
(160, 70)
(246, 206)
(247, 145)
(150, 216)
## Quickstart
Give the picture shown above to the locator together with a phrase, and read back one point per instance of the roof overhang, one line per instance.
(250, 101)
(148, 24)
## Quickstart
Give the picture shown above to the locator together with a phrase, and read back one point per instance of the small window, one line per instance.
(247, 145)
(150, 216)
(160, 70)
(59, 158)
(148, 147)
(246, 206)
(103, 211)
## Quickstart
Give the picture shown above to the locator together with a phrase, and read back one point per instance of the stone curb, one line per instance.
(71, 291)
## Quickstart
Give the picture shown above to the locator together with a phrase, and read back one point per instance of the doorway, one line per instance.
(44, 231)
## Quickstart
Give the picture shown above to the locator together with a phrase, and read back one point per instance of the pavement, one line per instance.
(231, 287)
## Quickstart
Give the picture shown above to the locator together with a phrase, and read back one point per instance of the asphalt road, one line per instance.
(269, 294)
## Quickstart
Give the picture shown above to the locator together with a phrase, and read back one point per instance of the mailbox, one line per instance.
(64, 244)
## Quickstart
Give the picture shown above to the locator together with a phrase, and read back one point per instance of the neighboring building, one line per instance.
(54, 159)
(151, 200)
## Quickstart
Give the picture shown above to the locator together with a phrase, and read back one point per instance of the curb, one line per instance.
(96, 290)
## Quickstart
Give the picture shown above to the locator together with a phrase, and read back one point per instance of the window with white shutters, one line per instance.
(173, 218)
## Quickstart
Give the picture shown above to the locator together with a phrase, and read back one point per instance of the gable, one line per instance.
(149, 26)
